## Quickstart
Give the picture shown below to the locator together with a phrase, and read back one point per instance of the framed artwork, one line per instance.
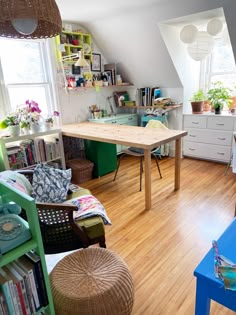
(120, 98)
(96, 64)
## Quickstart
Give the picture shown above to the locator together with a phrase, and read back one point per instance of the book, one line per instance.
(4, 285)
(11, 296)
(42, 292)
(20, 299)
(29, 294)
(28, 267)
(3, 304)
(22, 289)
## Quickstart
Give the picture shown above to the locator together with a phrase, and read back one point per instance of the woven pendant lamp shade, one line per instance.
(45, 12)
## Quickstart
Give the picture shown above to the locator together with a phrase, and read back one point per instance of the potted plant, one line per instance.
(197, 102)
(12, 121)
(219, 96)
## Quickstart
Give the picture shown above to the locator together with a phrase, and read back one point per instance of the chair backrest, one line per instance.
(155, 124)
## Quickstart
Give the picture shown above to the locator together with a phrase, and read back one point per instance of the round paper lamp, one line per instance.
(214, 27)
(202, 46)
(188, 34)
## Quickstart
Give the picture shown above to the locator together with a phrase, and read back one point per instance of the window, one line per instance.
(219, 66)
(26, 74)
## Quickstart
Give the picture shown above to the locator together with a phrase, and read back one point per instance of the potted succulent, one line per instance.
(219, 96)
(197, 102)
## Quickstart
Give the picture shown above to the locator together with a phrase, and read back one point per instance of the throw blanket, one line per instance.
(89, 206)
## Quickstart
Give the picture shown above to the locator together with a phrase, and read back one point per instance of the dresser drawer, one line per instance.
(131, 121)
(195, 121)
(203, 150)
(209, 136)
(220, 123)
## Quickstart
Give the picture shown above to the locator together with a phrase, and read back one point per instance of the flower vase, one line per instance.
(25, 131)
(14, 130)
(47, 126)
(35, 128)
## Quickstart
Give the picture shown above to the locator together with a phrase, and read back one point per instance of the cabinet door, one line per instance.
(103, 155)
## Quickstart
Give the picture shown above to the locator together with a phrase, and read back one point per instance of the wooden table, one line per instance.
(139, 137)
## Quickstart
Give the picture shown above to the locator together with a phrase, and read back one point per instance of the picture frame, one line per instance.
(120, 98)
(96, 63)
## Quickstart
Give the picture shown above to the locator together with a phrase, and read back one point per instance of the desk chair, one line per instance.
(140, 152)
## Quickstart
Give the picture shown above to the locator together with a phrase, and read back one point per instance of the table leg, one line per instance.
(147, 165)
(202, 303)
(177, 163)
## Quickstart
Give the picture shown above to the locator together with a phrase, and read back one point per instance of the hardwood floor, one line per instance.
(163, 246)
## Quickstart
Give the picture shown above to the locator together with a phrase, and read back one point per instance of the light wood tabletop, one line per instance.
(139, 137)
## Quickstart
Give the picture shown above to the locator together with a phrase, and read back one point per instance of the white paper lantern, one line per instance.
(214, 27)
(188, 34)
(202, 46)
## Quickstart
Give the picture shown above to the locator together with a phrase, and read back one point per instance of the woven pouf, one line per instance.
(92, 281)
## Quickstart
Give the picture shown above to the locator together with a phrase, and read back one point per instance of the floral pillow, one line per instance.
(50, 184)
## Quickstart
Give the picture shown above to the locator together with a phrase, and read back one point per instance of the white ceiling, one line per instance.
(87, 11)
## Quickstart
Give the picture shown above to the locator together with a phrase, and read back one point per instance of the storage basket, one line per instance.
(82, 170)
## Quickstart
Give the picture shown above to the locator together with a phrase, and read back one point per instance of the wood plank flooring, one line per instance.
(163, 246)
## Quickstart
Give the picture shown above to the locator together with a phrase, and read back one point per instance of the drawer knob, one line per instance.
(193, 136)
(220, 153)
(195, 122)
(114, 122)
(221, 138)
(191, 149)
(220, 124)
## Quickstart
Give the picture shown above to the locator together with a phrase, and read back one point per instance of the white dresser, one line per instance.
(209, 136)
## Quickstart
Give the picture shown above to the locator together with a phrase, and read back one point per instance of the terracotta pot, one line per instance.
(233, 103)
(206, 106)
(197, 107)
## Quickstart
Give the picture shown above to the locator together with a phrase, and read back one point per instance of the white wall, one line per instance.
(134, 41)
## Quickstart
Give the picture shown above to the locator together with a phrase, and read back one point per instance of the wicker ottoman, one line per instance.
(92, 281)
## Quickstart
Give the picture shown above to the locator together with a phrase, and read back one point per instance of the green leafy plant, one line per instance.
(198, 96)
(12, 119)
(219, 95)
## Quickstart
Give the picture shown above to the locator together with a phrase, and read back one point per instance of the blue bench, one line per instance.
(208, 286)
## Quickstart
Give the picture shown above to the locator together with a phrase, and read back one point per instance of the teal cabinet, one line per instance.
(103, 155)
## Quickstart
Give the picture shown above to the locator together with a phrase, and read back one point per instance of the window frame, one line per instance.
(51, 94)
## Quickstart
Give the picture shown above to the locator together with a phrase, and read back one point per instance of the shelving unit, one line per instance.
(8, 194)
(72, 43)
(50, 155)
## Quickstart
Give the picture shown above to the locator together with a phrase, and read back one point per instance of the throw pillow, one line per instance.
(50, 184)
(17, 181)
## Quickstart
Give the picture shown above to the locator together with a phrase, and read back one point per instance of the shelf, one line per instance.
(79, 88)
(17, 252)
(167, 109)
(7, 139)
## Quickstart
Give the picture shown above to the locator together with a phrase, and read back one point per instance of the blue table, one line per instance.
(208, 286)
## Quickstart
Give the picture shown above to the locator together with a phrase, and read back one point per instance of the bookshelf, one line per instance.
(8, 194)
(25, 151)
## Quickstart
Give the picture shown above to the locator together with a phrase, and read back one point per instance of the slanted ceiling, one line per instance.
(129, 34)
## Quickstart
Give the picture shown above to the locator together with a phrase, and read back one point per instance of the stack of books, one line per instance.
(22, 285)
(146, 96)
